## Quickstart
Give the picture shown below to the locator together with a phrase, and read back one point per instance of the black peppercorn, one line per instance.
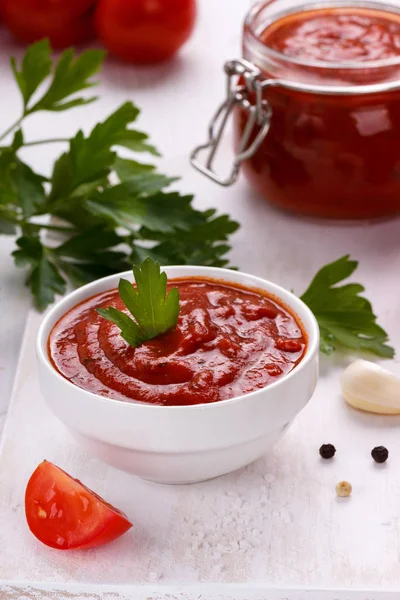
(327, 451)
(380, 454)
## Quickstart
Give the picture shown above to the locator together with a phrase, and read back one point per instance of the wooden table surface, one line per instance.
(308, 538)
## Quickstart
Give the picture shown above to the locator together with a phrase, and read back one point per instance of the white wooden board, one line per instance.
(20, 591)
(276, 523)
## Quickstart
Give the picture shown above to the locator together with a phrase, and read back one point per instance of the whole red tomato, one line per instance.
(63, 22)
(64, 514)
(144, 31)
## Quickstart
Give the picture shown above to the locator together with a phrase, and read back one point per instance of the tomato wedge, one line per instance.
(64, 514)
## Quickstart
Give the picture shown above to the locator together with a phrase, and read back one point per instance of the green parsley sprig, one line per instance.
(108, 210)
(345, 318)
(153, 310)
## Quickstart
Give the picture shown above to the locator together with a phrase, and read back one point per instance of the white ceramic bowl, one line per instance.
(180, 444)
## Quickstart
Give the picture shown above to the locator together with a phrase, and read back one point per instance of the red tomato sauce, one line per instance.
(336, 35)
(332, 155)
(229, 341)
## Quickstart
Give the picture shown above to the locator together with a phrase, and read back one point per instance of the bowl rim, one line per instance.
(91, 289)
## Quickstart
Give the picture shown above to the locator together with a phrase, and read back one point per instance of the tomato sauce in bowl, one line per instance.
(332, 146)
(230, 340)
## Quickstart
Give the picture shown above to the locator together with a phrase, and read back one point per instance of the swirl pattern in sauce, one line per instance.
(229, 341)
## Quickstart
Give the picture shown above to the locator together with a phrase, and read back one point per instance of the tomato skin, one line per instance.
(63, 22)
(64, 514)
(144, 31)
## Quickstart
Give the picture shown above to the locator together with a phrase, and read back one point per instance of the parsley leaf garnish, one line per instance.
(346, 319)
(154, 311)
(103, 209)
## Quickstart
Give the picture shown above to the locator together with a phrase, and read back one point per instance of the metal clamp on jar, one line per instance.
(316, 108)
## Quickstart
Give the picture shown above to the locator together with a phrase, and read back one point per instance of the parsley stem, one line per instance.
(12, 127)
(50, 141)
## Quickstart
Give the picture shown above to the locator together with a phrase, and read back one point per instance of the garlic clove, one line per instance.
(367, 386)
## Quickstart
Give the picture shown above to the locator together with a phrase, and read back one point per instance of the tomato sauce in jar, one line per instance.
(332, 148)
(333, 145)
(336, 35)
(229, 341)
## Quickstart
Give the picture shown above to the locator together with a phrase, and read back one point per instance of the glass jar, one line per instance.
(316, 137)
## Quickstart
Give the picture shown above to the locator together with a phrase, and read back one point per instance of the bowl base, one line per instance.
(181, 468)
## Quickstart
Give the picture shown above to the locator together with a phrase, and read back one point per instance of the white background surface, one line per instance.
(277, 522)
